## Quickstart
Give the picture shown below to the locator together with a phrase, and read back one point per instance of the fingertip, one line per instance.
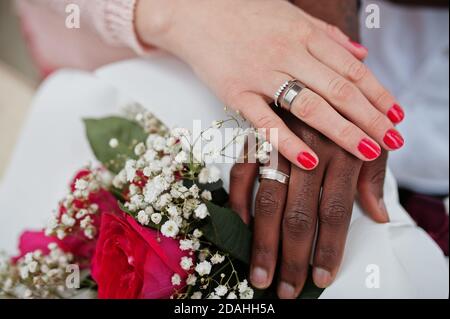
(322, 278)
(259, 277)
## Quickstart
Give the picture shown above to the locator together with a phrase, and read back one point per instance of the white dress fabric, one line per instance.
(409, 53)
(405, 261)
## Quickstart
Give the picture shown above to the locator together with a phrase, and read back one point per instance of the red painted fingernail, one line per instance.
(396, 114)
(369, 149)
(393, 139)
(358, 45)
(307, 160)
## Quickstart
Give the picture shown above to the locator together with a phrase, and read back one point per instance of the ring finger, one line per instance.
(317, 113)
(269, 207)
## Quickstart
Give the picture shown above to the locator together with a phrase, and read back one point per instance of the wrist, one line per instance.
(153, 21)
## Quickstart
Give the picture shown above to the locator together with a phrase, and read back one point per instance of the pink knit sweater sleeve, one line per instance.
(113, 20)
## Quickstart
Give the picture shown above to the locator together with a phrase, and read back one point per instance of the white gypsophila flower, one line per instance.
(159, 143)
(143, 218)
(180, 132)
(164, 200)
(201, 211)
(203, 268)
(267, 147)
(149, 210)
(186, 244)
(81, 184)
(90, 232)
(60, 234)
(182, 157)
(139, 149)
(170, 229)
(138, 201)
(178, 220)
(150, 155)
(113, 143)
(194, 191)
(209, 175)
(206, 195)
(243, 285)
(217, 259)
(171, 141)
(186, 263)
(141, 164)
(68, 221)
(155, 188)
(195, 244)
(120, 179)
(232, 295)
(86, 222)
(33, 267)
(176, 280)
(130, 170)
(173, 211)
(221, 290)
(191, 280)
(247, 293)
(156, 218)
(262, 157)
(134, 189)
(197, 233)
(213, 296)
(196, 295)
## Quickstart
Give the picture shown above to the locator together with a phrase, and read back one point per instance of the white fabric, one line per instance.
(53, 146)
(409, 53)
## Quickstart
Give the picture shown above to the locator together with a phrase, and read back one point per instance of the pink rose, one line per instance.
(77, 244)
(134, 262)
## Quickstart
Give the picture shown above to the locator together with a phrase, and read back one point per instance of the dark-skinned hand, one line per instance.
(314, 203)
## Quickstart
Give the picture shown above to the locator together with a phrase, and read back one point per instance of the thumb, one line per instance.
(370, 189)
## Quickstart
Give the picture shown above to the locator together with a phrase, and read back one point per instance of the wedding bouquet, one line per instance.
(150, 221)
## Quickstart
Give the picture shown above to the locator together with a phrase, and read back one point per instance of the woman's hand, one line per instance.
(314, 203)
(246, 49)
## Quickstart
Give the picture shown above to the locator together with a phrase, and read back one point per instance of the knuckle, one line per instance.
(298, 223)
(307, 31)
(379, 121)
(327, 255)
(332, 29)
(383, 98)
(267, 203)
(307, 103)
(233, 91)
(356, 70)
(237, 173)
(294, 267)
(341, 89)
(348, 132)
(264, 252)
(334, 213)
(378, 177)
(267, 121)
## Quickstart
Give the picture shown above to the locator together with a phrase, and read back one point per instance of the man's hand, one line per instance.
(290, 213)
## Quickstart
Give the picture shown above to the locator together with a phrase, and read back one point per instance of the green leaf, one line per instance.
(101, 131)
(227, 231)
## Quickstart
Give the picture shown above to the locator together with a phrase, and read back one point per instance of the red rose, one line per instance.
(134, 262)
